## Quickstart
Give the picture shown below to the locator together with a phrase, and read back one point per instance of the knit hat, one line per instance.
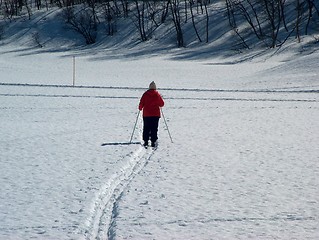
(152, 86)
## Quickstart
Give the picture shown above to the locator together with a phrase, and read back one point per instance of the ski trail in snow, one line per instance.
(103, 211)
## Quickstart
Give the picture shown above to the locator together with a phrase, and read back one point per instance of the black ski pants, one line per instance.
(150, 128)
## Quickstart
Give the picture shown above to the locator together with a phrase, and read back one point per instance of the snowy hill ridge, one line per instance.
(207, 29)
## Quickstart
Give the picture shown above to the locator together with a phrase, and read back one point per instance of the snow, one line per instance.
(243, 162)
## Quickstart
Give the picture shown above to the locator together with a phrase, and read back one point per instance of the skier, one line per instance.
(150, 103)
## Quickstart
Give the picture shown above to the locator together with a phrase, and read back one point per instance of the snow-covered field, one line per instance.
(244, 162)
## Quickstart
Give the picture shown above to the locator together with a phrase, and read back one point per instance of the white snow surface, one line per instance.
(244, 162)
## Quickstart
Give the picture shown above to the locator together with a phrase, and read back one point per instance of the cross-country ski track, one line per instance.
(101, 224)
(102, 92)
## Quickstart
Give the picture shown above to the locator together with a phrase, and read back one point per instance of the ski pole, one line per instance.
(169, 134)
(138, 114)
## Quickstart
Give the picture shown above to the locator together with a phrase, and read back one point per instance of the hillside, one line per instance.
(51, 29)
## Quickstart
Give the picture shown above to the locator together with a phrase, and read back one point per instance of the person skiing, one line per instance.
(151, 102)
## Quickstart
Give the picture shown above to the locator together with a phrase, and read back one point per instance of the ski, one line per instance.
(151, 147)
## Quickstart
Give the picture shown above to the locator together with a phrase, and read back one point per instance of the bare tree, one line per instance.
(165, 10)
(148, 15)
(207, 19)
(28, 8)
(250, 12)
(298, 19)
(84, 22)
(177, 22)
(274, 18)
(312, 10)
(124, 7)
(191, 5)
(231, 14)
(2, 30)
(140, 16)
(110, 17)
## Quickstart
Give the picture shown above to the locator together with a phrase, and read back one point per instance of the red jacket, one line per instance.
(151, 102)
